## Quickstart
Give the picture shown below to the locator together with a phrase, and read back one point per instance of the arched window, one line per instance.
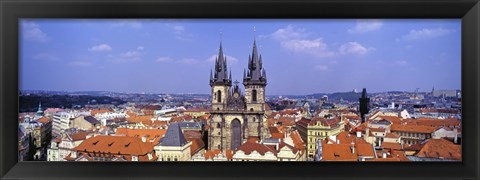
(219, 96)
(254, 95)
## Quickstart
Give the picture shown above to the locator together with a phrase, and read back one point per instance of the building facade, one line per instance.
(236, 116)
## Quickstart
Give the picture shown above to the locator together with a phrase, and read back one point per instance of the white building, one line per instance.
(62, 120)
(62, 146)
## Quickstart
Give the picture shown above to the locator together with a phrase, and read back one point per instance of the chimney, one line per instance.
(338, 141)
(359, 134)
(384, 155)
(455, 140)
(353, 147)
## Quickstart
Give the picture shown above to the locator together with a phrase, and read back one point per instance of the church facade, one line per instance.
(236, 115)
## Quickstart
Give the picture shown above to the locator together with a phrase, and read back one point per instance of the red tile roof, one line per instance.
(412, 128)
(248, 147)
(297, 140)
(440, 148)
(138, 119)
(99, 111)
(43, 120)
(434, 122)
(337, 152)
(392, 119)
(151, 134)
(79, 136)
(119, 145)
(197, 145)
(389, 145)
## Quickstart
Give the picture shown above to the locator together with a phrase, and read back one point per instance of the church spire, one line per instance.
(221, 75)
(255, 73)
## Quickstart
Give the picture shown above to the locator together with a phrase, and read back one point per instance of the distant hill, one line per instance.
(30, 103)
(348, 96)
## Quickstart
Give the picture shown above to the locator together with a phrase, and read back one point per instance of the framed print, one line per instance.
(250, 89)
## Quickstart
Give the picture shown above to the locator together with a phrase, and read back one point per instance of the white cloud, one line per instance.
(189, 61)
(32, 31)
(354, 48)
(129, 56)
(164, 59)
(364, 26)
(297, 40)
(230, 59)
(314, 47)
(321, 67)
(100, 47)
(290, 32)
(45, 57)
(140, 48)
(179, 31)
(135, 24)
(426, 33)
(80, 63)
(402, 63)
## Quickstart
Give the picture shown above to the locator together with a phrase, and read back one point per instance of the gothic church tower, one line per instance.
(235, 117)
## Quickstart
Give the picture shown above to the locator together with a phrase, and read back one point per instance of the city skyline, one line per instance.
(301, 56)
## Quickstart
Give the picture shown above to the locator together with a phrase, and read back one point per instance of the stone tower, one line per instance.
(219, 82)
(364, 104)
(236, 117)
(255, 81)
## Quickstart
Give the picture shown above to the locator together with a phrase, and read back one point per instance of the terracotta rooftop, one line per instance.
(440, 148)
(151, 134)
(389, 145)
(121, 145)
(99, 111)
(138, 119)
(79, 136)
(43, 120)
(412, 128)
(248, 147)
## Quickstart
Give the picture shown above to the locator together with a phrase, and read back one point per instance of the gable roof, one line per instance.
(150, 134)
(440, 148)
(115, 145)
(249, 146)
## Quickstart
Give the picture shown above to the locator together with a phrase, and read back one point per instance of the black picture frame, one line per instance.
(12, 10)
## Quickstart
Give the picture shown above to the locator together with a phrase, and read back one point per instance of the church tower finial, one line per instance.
(255, 74)
(221, 74)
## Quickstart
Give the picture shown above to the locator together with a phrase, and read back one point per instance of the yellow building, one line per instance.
(312, 130)
(173, 146)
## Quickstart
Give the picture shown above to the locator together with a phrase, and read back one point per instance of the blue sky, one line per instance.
(300, 56)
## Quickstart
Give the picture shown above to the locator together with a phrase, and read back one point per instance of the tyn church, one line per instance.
(237, 116)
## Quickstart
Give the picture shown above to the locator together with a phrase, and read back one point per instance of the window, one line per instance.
(219, 96)
(254, 95)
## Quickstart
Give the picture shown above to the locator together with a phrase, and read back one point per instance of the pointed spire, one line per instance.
(264, 74)
(220, 74)
(211, 75)
(230, 76)
(364, 93)
(244, 73)
(260, 62)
